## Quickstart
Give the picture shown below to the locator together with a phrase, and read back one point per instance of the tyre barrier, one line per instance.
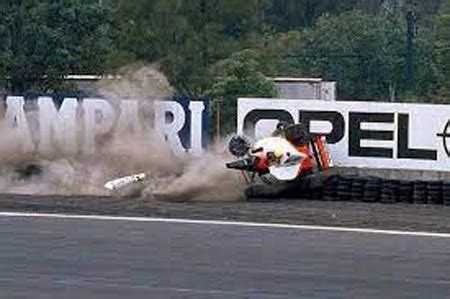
(446, 193)
(374, 189)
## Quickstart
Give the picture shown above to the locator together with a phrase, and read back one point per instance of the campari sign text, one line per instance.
(77, 124)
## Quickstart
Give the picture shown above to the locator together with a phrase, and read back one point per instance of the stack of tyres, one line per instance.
(330, 186)
(357, 190)
(389, 191)
(395, 184)
(344, 189)
(446, 193)
(385, 196)
(317, 193)
(434, 194)
(372, 190)
(405, 191)
(420, 192)
(303, 193)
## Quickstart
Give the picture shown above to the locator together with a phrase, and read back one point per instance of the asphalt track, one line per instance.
(42, 257)
(407, 217)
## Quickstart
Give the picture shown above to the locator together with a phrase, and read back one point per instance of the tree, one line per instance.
(364, 53)
(239, 76)
(442, 51)
(186, 37)
(285, 15)
(41, 41)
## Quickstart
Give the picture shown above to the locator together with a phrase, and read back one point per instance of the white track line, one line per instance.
(227, 223)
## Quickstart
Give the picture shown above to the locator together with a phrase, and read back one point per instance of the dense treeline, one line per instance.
(375, 49)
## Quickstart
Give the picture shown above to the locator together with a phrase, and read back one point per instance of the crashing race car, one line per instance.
(289, 162)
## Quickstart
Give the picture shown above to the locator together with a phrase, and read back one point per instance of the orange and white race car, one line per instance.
(289, 161)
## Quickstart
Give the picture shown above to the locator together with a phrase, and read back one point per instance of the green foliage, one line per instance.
(186, 37)
(284, 15)
(359, 43)
(442, 52)
(239, 76)
(363, 52)
(41, 41)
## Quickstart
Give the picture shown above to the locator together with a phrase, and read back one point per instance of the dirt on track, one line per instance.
(408, 217)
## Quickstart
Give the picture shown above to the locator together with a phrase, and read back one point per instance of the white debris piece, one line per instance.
(125, 181)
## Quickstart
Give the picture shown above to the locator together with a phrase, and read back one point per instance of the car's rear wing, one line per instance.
(320, 152)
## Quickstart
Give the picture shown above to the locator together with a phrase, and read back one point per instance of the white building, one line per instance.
(306, 88)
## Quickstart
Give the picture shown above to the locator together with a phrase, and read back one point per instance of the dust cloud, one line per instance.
(124, 152)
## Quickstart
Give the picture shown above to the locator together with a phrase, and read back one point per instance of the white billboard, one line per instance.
(361, 134)
(74, 126)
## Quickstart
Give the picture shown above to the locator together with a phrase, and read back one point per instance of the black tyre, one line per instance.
(372, 191)
(420, 192)
(358, 189)
(239, 146)
(446, 193)
(405, 191)
(344, 189)
(394, 190)
(434, 194)
(330, 186)
(386, 190)
(297, 134)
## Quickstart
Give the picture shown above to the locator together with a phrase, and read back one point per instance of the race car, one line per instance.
(290, 161)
